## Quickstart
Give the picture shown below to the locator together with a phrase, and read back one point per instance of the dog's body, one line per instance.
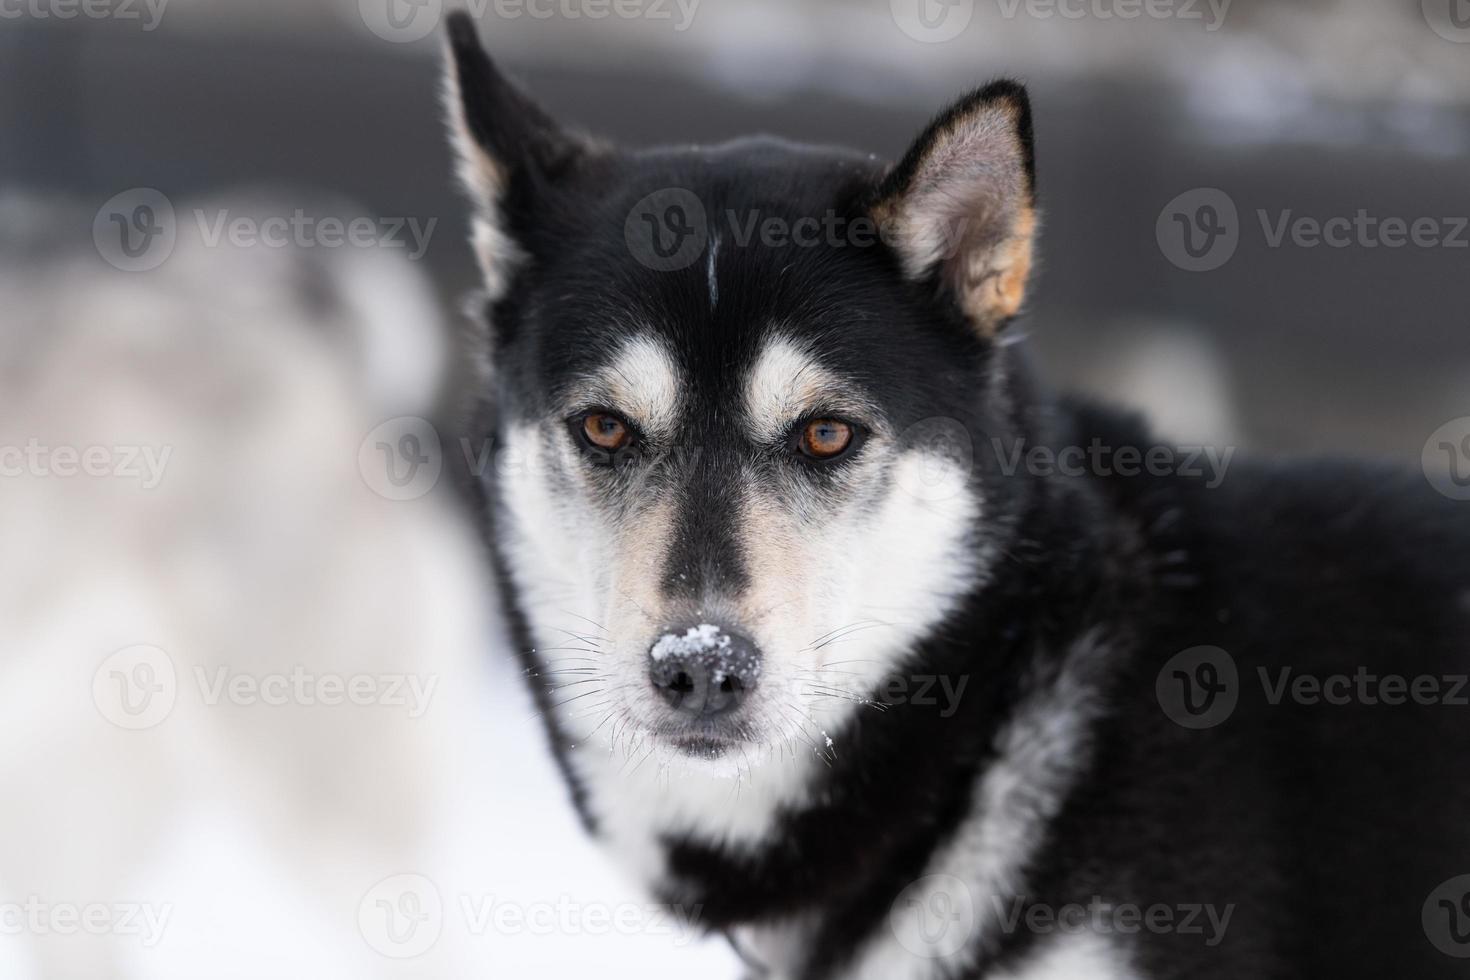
(820, 659)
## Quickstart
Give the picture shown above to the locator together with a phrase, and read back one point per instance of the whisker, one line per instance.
(584, 637)
(534, 669)
(798, 731)
(834, 693)
(594, 623)
(838, 630)
(865, 702)
(851, 631)
(571, 684)
(575, 697)
(590, 711)
(824, 671)
(609, 716)
(644, 612)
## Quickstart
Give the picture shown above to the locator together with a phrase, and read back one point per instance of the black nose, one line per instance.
(705, 670)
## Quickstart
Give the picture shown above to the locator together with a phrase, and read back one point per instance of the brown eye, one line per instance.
(606, 431)
(825, 438)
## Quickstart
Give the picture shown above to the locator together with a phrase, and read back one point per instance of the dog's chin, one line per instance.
(704, 756)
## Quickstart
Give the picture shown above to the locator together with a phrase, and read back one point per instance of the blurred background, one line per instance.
(257, 719)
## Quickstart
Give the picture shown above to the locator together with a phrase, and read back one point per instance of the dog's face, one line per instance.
(740, 395)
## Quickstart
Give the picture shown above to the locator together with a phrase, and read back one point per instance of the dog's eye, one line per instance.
(825, 439)
(606, 431)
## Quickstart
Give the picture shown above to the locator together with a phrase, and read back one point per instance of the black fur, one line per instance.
(1326, 827)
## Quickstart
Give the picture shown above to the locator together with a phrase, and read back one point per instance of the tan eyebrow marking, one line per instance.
(642, 380)
(787, 382)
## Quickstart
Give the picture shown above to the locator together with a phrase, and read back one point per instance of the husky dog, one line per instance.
(827, 652)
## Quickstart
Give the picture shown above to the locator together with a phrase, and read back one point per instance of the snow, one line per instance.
(705, 638)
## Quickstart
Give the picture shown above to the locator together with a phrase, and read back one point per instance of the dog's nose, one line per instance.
(705, 670)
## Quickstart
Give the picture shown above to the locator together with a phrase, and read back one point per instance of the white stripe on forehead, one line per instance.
(785, 383)
(642, 381)
(714, 282)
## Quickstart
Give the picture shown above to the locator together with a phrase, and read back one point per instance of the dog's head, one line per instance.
(743, 399)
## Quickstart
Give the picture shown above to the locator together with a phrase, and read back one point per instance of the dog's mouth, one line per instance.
(702, 746)
(708, 741)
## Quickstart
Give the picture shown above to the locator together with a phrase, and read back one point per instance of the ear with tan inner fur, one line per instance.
(506, 148)
(961, 205)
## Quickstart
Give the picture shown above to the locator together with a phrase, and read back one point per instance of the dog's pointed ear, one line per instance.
(961, 205)
(507, 148)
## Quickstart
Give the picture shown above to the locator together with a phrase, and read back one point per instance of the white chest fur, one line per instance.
(640, 800)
